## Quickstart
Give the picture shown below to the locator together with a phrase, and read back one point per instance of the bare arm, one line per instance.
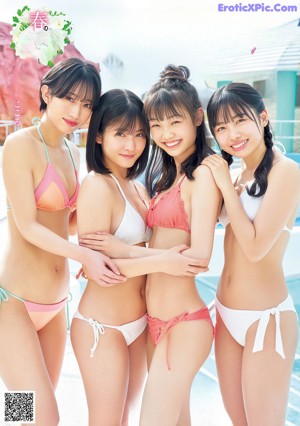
(279, 203)
(18, 166)
(205, 208)
(113, 247)
(95, 210)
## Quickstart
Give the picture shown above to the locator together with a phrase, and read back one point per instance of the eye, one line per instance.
(219, 129)
(241, 119)
(88, 105)
(140, 135)
(154, 125)
(70, 98)
(176, 121)
(120, 134)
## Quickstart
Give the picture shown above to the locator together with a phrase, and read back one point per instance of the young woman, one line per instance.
(184, 211)
(256, 334)
(40, 170)
(108, 330)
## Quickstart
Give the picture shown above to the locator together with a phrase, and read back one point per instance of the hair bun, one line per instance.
(172, 72)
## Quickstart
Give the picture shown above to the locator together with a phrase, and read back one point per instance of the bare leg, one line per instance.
(167, 390)
(53, 341)
(229, 358)
(266, 375)
(137, 376)
(150, 350)
(105, 376)
(22, 365)
(185, 414)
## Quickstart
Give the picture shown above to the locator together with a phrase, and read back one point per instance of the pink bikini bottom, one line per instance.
(158, 328)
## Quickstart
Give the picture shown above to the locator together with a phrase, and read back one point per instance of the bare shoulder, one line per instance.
(18, 139)
(19, 146)
(93, 179)
(284, 177)
(98, 186)
(284, 168)
(204, 175)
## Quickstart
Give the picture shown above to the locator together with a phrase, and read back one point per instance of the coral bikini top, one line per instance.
(51, 194)
(168, 211)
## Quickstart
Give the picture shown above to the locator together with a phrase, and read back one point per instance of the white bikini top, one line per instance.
(132, 229)
(251, 206)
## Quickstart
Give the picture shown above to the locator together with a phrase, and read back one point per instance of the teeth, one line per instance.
(172, 143)
(239, 145)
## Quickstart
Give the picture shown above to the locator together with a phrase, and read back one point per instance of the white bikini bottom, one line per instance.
(238, 322)
(131, 331)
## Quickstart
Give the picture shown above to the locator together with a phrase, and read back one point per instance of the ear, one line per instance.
(264, 118)
(199, 116)
(99, 139)
(46, 95)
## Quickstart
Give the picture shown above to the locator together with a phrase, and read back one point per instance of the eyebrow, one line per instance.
(232, 118)
(120, 129)
(81, 100)
(167, 118)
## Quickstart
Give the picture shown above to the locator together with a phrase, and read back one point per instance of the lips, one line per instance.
(172, 143)
(239, 146)
(128, 156)
(70, 123)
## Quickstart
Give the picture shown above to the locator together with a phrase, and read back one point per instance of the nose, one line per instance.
(234, 133)
(130, 143)
(76, 109)
(167, 133)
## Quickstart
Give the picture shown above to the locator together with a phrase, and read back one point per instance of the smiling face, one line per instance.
(241, 134)
(176, 134)
(121, 148)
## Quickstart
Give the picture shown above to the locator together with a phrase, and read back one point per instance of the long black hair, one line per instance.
(123, 108)
(242, 99)
(70, 74)
(173, 95)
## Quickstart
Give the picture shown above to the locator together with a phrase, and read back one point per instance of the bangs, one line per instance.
(164, 105)
(84, 89)
(128, 120)
(227, 106)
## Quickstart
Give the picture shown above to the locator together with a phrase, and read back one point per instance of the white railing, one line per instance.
(7, 124)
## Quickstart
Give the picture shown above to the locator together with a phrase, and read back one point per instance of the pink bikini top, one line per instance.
(51, 194)
(168, 211)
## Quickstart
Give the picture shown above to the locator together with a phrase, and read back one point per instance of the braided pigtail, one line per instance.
(263, 169)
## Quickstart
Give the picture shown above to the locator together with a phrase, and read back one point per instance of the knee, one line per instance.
(47, 416)
(238, 419)
(52, 420)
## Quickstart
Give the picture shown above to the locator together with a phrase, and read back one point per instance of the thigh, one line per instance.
(137, 376)
(22, 364)
(106, 375)
(53, 340)
(188, 345)
(266, 375)
(229, 358)
(150, 350)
